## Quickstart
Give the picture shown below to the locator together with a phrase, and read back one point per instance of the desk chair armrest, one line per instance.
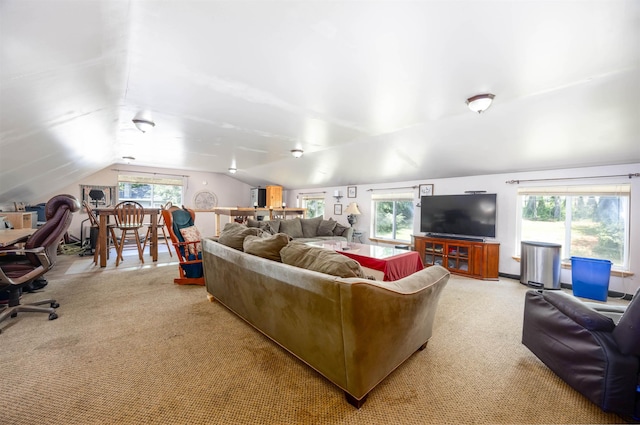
(39, 252)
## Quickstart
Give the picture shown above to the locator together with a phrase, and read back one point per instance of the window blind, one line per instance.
(587, 190)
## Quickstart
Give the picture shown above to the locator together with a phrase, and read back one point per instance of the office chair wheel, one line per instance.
(55, 305)
(53, 316)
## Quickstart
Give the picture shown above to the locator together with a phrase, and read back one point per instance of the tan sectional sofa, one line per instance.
(353, 331)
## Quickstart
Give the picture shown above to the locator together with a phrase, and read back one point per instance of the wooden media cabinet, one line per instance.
(476, 259)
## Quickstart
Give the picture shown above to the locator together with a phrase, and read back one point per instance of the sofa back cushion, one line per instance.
(291, 227)
(320, 260)
(310, 226)
(266, 246)
(627, 333)
(326, 227)
(339, 229)
(233, 235)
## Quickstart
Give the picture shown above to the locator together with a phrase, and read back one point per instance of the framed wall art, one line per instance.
(337, 209)
(352, 191)
(426, 189)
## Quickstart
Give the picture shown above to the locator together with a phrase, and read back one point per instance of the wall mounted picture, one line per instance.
(426, 189)
(337, 209)
(98, 196)
(352, 191)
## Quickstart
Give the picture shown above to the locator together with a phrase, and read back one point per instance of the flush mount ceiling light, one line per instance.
(297, 153)
(233, 170)
(128, 159)
(143, 125)
(480, 103)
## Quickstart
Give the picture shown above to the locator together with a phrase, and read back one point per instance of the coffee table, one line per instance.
(388, 263)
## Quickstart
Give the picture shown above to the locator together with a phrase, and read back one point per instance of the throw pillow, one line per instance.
(252, 222)
(271, 226)
(339, 229)
(291, 227)
(233, 235)
(321, 260)
(268, 246)
(192, 234)
(310, 226)
(326, 227)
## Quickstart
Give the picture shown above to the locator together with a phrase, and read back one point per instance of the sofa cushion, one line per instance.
(326, 227)
(252, 222)
(339, 229)
(291, 227)
(310, 226)
(320, 260)
(233, 235)
(192, 234)
(271, 226)
(266, 246)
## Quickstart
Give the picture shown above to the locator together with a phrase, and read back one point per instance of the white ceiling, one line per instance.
(371, 91)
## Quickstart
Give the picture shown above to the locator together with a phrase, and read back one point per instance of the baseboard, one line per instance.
(610, 294)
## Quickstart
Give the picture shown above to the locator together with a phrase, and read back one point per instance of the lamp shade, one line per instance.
(480, 102)
(352, 209)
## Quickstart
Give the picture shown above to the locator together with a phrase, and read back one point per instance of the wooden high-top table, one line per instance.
(103, 215)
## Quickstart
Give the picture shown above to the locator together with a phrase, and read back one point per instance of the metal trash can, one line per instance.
(540, 264)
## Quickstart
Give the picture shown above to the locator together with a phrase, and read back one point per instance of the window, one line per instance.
(393, 216)
(153, 191)
(588, 221)
(314, 206)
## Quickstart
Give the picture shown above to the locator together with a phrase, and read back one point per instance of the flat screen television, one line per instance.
(471, 215)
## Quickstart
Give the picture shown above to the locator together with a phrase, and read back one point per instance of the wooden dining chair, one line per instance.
(161, 228)
(95, 224)
(129, 218)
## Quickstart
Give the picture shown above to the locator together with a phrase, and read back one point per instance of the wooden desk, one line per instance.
(9, 237)
(253, 212)
(103, 215)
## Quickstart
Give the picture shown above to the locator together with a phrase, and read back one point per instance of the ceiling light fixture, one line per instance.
(143, 125)
(233, 170)
(297, 153)
(128, 159)
(480, 103)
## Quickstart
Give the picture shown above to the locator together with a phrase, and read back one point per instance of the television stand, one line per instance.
(472, 258)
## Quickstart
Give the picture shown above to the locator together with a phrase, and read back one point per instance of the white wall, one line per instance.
(506, 230)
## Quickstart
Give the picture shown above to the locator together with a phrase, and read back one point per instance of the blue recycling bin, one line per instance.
(590, 277)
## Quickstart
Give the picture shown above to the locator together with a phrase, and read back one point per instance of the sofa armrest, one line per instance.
(579, 312)
(348, 234)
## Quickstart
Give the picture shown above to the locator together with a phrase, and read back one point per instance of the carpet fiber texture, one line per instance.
(130, 347)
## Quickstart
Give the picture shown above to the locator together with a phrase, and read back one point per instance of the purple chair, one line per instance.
(19, 267)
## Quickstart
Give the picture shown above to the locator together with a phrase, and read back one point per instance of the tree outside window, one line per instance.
(592, 224)
(314, 206)
(393, 218)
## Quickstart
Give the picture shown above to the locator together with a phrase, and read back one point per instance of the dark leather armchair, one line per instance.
(18, 266)
(585, 348)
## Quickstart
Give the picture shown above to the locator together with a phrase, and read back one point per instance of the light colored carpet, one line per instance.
(130, 347)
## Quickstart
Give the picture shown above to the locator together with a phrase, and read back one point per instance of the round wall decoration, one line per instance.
(205, 200)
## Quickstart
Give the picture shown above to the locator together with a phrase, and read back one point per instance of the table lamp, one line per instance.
(353, 211)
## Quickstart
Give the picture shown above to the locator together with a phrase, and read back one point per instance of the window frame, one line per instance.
(567, 194)
(153, 181)
(393, 197)
(319, 198)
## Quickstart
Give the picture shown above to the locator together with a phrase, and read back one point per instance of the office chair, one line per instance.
(21, 266)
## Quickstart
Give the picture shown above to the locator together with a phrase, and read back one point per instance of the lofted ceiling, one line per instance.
(371, 91)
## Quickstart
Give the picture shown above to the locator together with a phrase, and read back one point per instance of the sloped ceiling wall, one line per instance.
(371, 91)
